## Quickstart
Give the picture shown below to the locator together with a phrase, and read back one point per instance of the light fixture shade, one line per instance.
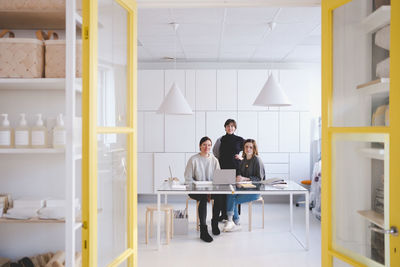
(272, 95)
(175, 103)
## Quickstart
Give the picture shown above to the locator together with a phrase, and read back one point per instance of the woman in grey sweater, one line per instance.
(251, 169)
(201, 167)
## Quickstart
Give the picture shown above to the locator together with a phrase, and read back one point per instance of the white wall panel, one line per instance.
(177, 76)
(268, 131)
(296, 84)
(289, 132)
(275, 157)
(190, 93)
(200, 126)
(150, 89)
(305, 129)
(206, 90)
(250, 83)
(187, 157)
(153, 132)
(248, 125)
(162, 161)
(145, 173)
(299, 166)
(227, 89)
(215, 123)
(276, 168)
(180, 133)
(140, 131)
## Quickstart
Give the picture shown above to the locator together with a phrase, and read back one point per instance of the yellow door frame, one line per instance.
(90, 131)
(328, 131)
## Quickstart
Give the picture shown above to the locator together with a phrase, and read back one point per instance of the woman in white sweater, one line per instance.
(201, 167)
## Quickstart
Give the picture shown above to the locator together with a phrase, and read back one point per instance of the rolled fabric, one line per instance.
(382, 38)
(383, 68)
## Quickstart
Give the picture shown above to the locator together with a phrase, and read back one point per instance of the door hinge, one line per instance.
(84, 225)
(86, 33)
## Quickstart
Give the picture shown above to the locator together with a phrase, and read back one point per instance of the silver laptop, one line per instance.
(227, 176)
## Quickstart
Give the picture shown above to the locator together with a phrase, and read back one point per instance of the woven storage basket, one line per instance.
(32, 5)
(55, 58)
(21, 58)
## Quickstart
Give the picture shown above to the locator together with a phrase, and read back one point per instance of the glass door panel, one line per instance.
(361, 34)
(112, 196)
(112, 64)
(360, 199)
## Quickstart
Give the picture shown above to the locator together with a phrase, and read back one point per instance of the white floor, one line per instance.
(272, 246)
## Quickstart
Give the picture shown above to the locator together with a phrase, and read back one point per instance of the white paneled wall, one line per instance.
(283, 134)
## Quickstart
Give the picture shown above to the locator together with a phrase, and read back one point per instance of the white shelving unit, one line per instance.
(377, 19)
(373, 153)
(37, 84)
(51, 168)
(378, 86)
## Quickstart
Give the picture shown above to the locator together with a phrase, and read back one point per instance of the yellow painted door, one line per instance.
(360, 133)
(109, 191)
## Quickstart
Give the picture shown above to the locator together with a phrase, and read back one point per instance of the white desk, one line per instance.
(292, 189)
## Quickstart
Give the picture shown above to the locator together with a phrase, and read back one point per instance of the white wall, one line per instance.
(283, 134)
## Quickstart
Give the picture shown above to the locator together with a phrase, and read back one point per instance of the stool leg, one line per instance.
(147, 227)
(250, 210)
(172, 224)
(167, 226)
(151, 223)
(197, 216)
(262, 201)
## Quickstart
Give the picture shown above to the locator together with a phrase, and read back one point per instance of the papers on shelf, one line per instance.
(178, 186)
(274, 181)
(202, 183)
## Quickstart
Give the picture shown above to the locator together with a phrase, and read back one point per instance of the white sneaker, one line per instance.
(231, 227)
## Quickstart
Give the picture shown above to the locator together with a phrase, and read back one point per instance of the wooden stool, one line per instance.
(197, 210)
(250, 211)
(169, 221)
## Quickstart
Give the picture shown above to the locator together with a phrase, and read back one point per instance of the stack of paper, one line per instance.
(274, 181)
(202, 183)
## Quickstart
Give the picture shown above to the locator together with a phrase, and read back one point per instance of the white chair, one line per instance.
(250, 211)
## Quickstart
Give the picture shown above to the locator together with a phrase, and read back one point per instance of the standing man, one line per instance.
(226, 150)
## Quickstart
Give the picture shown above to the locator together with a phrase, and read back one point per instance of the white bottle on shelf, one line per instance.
(22, 132)
(59, 133)
(39, 134)
(6, 133)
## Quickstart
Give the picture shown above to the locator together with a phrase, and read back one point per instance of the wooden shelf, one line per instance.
(31, 151)
(378, 86)
(373, 153)
(35, 19)
(377, 19)
(37, 84)
(374, 217)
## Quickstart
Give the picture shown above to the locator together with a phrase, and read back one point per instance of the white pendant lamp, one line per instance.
(272, 95)
(175, 103)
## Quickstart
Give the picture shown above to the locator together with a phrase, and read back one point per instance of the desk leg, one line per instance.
(291, 212)
(158, 221)
(307, 196)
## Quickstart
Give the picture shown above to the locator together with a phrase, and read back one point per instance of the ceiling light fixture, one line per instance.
(175, 103)
(272, 95)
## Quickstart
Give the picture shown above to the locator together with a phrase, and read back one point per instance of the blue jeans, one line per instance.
(233, 200)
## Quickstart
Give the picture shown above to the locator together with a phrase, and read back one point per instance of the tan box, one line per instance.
(55, 59)
(21, 58)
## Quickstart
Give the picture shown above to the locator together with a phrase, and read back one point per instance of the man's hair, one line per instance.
(229, 121)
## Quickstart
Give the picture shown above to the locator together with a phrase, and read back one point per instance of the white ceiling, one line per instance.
(230, 34)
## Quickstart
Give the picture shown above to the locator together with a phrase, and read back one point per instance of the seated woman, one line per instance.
(201, 167)
(250, 169)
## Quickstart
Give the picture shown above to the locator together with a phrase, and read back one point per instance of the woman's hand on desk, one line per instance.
(240, 178)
